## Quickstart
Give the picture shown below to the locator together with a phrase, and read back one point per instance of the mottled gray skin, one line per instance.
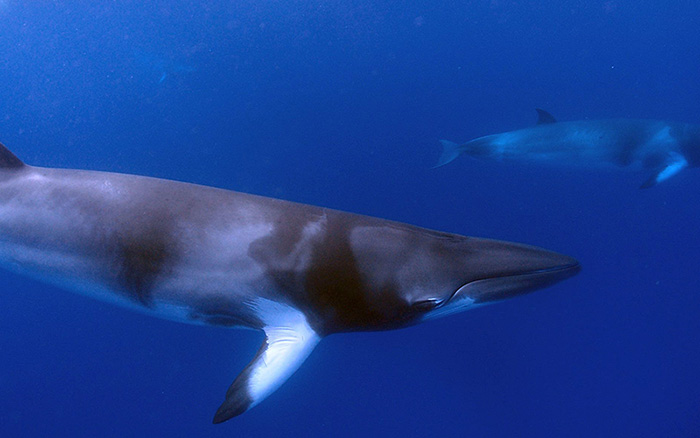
(148, 240)
(651, 145)
(209, 256)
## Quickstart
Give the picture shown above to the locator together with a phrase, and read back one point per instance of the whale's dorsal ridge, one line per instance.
(544, 118)
(8, 160)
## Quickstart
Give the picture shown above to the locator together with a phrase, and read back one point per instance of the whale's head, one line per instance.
(354, 273)
(433, 274)
(493, 271)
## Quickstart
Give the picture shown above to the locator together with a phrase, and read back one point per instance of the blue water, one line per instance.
(342, 104)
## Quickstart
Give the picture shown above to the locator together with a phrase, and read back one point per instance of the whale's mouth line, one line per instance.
(570, 269)
(561, 268)
(553, 270)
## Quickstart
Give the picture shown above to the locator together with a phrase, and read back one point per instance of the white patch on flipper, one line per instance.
(677, 163)
(290, 340)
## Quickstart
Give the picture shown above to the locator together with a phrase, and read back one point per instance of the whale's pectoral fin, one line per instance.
(287, 344)
(544, 118)
(671, 165)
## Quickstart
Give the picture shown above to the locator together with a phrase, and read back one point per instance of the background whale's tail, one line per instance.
(479, 147)
(450, 151)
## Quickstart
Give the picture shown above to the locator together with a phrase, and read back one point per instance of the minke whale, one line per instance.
(209, 256)
(662, 149)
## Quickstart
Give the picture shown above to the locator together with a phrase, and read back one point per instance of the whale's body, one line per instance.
(660, 148)
(210, 256)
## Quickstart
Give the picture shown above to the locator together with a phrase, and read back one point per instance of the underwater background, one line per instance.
(342, 104)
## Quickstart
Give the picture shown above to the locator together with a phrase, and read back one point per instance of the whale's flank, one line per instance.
(203, 255)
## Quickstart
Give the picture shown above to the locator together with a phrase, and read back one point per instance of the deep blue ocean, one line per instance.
(342, 104)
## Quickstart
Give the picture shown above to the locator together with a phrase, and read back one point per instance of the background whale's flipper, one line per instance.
(450, 151)
(288, 342)
(673, 164)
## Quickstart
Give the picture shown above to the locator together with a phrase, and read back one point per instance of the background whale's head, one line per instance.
(688, 138)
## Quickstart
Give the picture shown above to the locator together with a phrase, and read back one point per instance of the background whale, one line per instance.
(208, 256)
(660, 148)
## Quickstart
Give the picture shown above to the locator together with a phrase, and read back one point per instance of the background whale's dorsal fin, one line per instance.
(8, 160)
(543, 117)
